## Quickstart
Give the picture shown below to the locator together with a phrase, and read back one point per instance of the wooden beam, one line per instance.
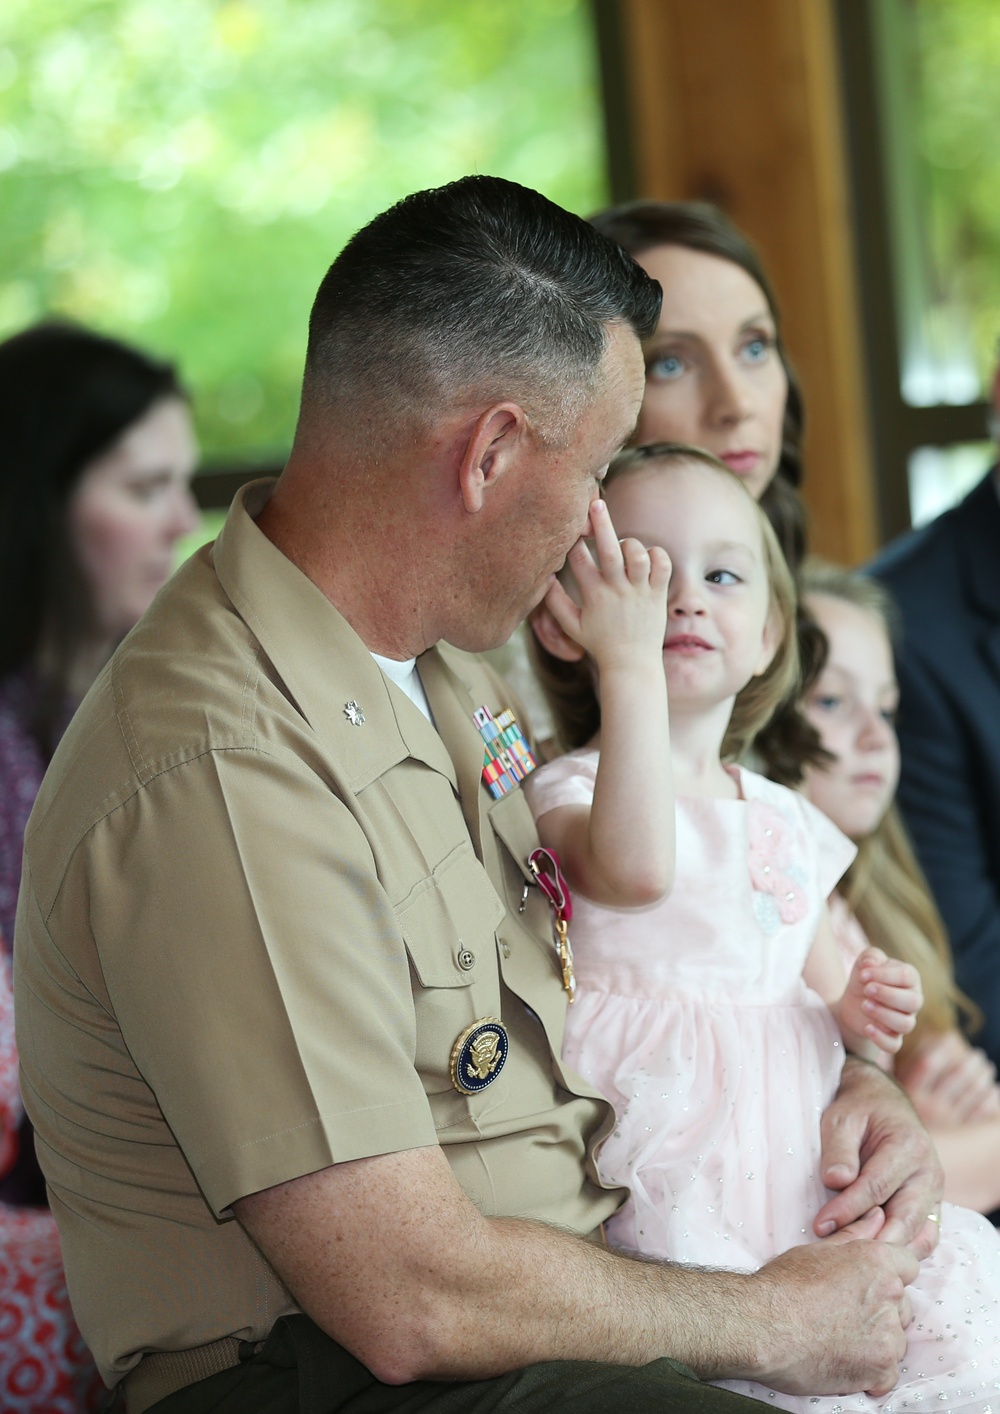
(738, 102)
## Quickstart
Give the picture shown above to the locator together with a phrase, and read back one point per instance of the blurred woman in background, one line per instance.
(96, 457)
(97, 452)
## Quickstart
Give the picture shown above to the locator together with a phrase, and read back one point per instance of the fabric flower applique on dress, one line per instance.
(779, 895)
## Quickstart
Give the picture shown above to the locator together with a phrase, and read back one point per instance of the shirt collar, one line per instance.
(320, 658)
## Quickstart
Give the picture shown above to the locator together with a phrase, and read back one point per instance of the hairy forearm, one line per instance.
(392, 1260)
(541, 1294)
(439, 1291)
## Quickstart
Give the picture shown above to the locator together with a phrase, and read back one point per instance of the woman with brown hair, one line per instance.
(718, 377)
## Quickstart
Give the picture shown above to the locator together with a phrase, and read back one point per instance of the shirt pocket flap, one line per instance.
(455, 910)
(513, 822)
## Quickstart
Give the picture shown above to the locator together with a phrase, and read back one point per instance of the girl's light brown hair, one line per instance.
(788, 742)
(885, 887)
(569, 686)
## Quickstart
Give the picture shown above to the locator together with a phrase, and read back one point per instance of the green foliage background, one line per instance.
(181, 172)
(957, 83)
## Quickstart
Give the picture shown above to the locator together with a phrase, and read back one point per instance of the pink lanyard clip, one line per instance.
(544, 864)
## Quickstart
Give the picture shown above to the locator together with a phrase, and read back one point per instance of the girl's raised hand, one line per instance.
(619, 611)
(882, 999)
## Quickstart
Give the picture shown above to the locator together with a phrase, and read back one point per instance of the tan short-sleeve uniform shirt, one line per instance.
(251, 930)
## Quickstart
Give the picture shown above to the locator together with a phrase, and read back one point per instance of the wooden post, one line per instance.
(738, 102)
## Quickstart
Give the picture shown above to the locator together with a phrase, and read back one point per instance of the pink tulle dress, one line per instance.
(693, 1019)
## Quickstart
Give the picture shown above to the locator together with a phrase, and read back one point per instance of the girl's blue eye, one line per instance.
(889, 715)
(665, 366)
(722, 577)
(827, 702)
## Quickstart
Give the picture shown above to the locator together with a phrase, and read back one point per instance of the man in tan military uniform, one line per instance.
(289, 1008)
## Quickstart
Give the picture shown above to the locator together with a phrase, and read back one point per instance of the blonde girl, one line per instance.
(713, 1008)
(883, 898)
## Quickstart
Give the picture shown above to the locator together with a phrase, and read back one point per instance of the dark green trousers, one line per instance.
(302, 1371)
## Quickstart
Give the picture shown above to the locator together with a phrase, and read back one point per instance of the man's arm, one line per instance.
(391, 1258)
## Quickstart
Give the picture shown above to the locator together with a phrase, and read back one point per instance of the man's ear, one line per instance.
(552, 637)
(493, 444)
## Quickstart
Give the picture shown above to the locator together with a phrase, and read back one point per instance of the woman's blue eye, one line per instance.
(758, 348)
(665, 366)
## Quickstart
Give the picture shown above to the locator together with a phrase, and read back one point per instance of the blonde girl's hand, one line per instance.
(951, 1082)
(619, 611)
(882, 999)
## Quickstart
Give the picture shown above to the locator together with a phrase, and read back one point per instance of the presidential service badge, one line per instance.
(479, 1055)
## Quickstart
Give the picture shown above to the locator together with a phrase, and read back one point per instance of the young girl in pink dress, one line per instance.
(712, 1007)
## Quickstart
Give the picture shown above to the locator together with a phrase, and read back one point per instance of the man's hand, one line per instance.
(838, 1313)
(878, 1154)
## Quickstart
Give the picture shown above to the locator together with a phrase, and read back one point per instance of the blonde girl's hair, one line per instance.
(885, 887)
(569, 687)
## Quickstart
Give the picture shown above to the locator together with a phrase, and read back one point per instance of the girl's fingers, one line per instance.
(895, 998)
(889, 1019)
(637, 561)
(660, 567)
(609, 551)
(581, 561)
(563, 609)
(891, 974)
(889, 1041)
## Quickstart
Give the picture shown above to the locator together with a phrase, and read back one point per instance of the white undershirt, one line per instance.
(405, 676)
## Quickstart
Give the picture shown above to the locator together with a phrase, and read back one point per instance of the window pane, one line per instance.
(182, 173)
(940, 476)
(941, 60)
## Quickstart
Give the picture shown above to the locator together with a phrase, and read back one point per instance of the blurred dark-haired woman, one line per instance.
(96, 457)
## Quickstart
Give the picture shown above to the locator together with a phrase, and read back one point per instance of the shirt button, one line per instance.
(505, 948)
(466, 959)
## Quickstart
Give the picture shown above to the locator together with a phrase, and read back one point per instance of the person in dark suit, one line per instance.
(945, 579)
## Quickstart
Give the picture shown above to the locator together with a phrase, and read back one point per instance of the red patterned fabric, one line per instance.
(45, 1368)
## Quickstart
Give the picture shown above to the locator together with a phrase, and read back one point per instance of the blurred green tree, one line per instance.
(957, 90)
(182, 173)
